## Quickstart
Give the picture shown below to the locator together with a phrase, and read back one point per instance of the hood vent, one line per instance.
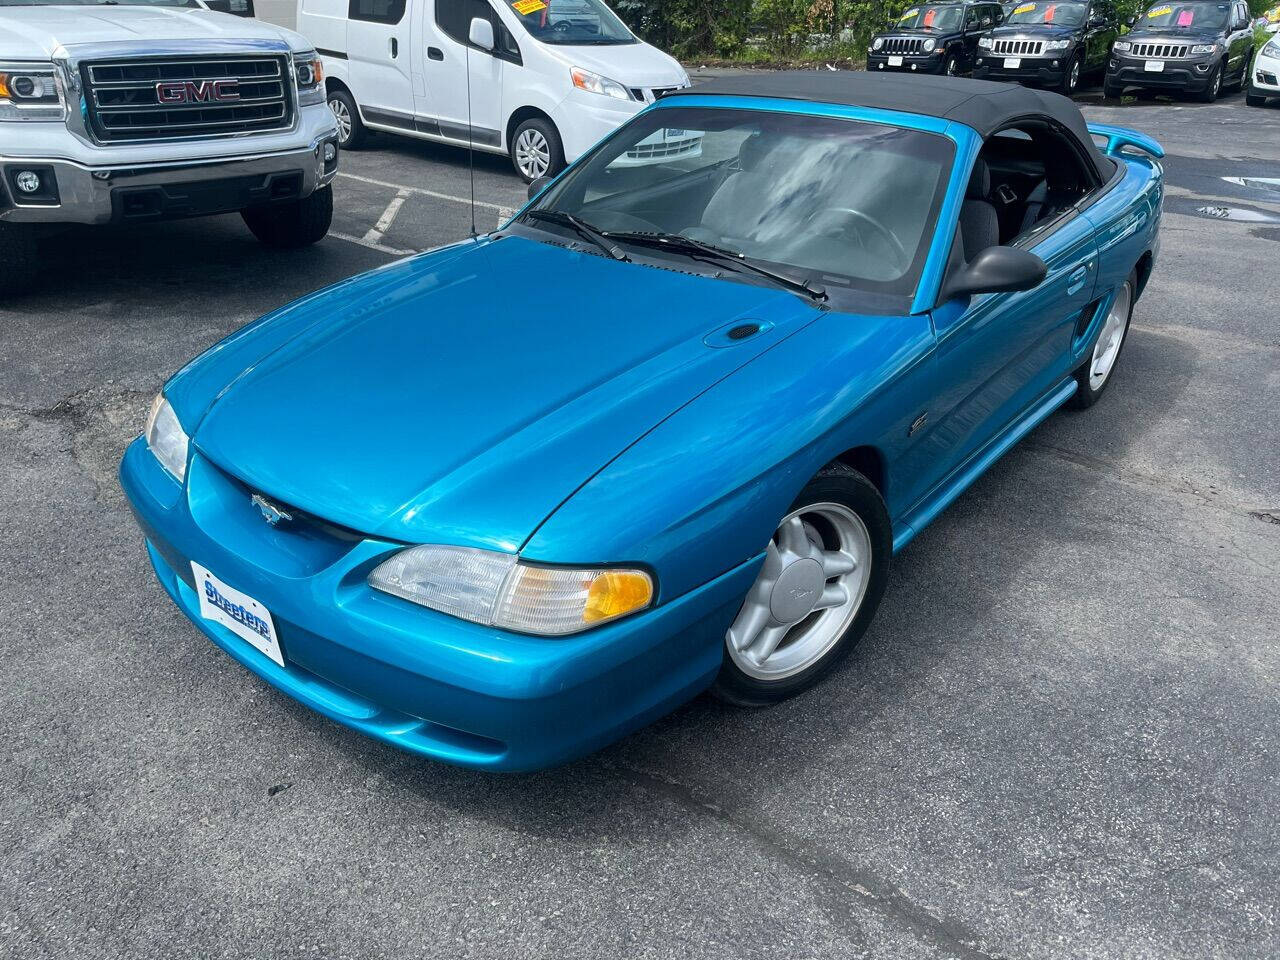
(740, 331)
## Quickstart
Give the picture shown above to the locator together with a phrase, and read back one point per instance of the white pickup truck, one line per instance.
(134, 110)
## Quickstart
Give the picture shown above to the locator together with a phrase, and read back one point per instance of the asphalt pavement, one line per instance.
(1059, 738)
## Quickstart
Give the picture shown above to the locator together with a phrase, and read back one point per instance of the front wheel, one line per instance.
(1254, 100)
(19, 263)
(952, 66)
(536, 149)
(1213, 87)
(295, 223)
(1093, 376)
(1071, 78)
(1112, 91)
(351, 129)
(824, 573)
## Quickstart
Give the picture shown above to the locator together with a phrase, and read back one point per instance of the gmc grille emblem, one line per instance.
(197, 91)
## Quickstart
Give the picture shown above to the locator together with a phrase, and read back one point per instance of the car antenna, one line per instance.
(471, 149)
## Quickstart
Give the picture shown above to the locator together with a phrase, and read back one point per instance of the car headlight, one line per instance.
(929, 45)
(1272, 48)
(594, 83)
(498, 590)
(877, 43)
(308, 68)
(1200, 49)
(1057, 44)
(166, 438)
(30, 92)
(1121, 46)
(984, 43)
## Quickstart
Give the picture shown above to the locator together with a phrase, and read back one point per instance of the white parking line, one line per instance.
(381, 248)
(388, 217)
(427, 193)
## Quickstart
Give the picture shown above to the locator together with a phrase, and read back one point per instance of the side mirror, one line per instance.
(997, 270)
(538, 186)
(481, 33)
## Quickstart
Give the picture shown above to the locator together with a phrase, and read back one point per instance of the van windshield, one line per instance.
(572, 23)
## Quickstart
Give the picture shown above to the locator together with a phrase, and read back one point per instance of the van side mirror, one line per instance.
(997, 270)
(481, 33)
(538, 186)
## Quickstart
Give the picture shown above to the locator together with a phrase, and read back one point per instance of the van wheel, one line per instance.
(536, 149)
(351, 130)
(19, 264)
(297, 223)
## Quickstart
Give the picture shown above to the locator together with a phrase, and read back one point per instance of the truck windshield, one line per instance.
(571, 23)
(1197, 16)
(1058, 14)
(941, 18)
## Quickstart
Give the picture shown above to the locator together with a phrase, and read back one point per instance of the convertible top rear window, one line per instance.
(845, 204)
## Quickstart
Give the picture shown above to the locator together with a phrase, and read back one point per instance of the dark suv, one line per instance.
(934, 38)
(1198, 47)
(1050, 44)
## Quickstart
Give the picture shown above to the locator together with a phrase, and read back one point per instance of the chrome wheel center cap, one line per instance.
(797, 591)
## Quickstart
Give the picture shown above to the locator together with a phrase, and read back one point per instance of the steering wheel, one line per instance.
(884, 232)
(562, 26)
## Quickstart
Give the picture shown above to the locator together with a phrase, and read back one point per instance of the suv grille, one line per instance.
(1165, 51)
(1027, 48)
(205, 97)
(902, 45)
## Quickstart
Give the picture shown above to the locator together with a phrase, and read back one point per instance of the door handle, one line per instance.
(435, 53)
(1076, 280)
(395, 48)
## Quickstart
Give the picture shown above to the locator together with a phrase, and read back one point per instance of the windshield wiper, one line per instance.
(583, 229)
(710, 252)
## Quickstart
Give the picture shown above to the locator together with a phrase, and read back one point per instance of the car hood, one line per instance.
(38, 33)
(461, 396)
(630, 64)
(1165, 35)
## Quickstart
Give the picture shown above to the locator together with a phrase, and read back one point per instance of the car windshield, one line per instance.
(1058, 14)
(943, 18)
(843, 204)
(1198, 16)
(572, 22)
(99, 3)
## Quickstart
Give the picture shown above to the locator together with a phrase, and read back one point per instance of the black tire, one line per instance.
(1254, 100)
(1213, 87)
(296, 223)
(1243, 80)
(538, 127)
(1086, 395)
(18, 265)
(840, 484)
(344, 105)
(951, 66)
(1112, 91)
(1071, 76)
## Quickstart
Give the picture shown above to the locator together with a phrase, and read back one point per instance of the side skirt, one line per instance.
(943, 495)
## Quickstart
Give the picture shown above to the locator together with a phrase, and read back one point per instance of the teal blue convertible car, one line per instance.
(505, 501)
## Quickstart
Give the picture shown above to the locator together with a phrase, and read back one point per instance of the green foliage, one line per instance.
(687, 27)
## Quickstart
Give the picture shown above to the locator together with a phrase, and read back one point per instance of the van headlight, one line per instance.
(594, 83)
(30, 92)
(499, 590)
(308, 69)
(166, 438)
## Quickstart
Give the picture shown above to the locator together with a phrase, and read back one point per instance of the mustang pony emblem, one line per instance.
(197, 91)
(270, 512)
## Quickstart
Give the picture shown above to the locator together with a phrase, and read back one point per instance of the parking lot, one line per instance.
(1059, 738)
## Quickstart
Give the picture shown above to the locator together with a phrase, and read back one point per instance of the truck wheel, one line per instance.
(536, 149)
(18, 265)
(351, 130)
(298, 223)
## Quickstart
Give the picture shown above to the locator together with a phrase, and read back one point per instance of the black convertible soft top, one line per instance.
(980, 104)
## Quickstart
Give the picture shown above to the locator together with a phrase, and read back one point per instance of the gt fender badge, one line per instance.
(919, 422)
(270, 512)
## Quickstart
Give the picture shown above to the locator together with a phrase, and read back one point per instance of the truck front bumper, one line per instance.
(72, 192)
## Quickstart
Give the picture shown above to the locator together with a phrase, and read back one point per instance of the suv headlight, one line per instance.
(30, 92)
(1057, 44)
(877, 43)
(1272, 48)
(498, 590)
(929, 45)
(594, 83)
(308, 69)
(1200, 49)
(984, 43)
(166, 438)
(1120, 46)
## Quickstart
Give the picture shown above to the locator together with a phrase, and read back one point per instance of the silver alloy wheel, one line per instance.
(814, 578)
(1075, 74)
(1107, 346)
(1215, 85)
(533, 153)
(343, 116)
(952, 66)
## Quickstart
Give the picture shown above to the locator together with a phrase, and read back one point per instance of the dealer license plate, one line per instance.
(895, 61)
(1154, 66)
(238, 612)
(1012, 63)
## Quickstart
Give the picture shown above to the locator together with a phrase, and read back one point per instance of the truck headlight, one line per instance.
(1120, 46)
(166, 438)
(984, 43)
(308, 69)
(594, 83)
(1202, 49)
(30, 92)
(1057, 44)
(499, 590)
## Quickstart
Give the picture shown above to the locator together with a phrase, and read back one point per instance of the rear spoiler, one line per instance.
(1120, 137)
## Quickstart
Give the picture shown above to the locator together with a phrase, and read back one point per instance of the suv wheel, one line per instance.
(1112, 91)
(351, 130)
(536, 150)
(19, 263)
(1071, 78)
(952, 66)
(1254, 99)
(1213, 87)
(296, 223)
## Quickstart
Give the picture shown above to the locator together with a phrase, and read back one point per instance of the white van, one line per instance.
(549, 78)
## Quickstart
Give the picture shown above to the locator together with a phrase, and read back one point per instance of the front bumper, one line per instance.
(1264, 77)
(910, 63)
(1190, 76)
(1042, 71)
(584, 119)
(418, 679)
